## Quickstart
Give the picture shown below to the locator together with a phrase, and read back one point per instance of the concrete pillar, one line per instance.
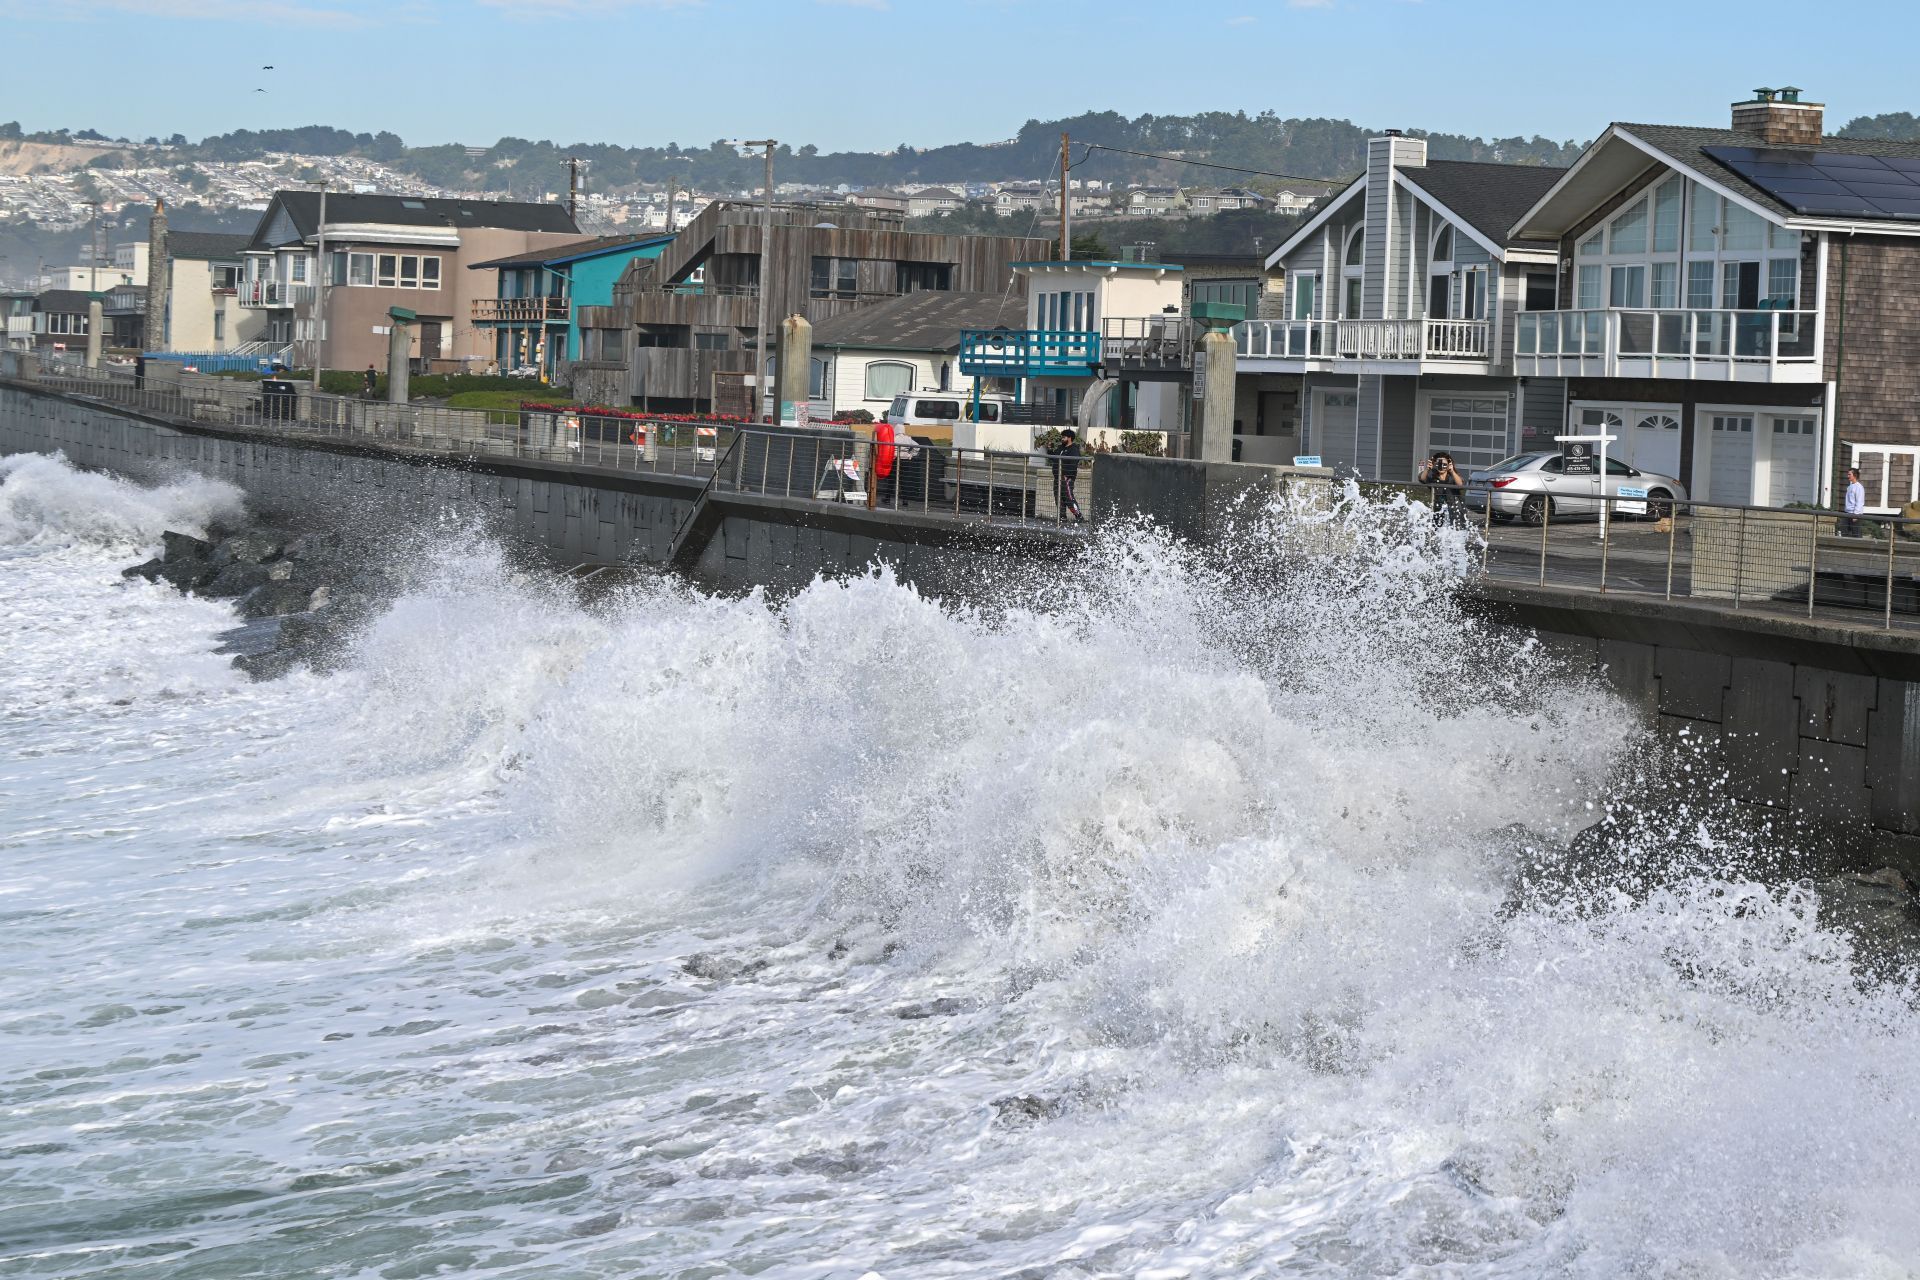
(793, 368)
(159, 279)
(96, 319)
(399, 347)
(1215, 442)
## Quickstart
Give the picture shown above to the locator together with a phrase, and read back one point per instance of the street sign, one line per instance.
(1200, 375)
(1633, 502)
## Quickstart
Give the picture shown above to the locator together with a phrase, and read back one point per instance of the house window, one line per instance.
(389, 273)
(1666, 216)
(360, 269)
(1543, 291)
(1303, 290)
(1666, 285)
(220, 326)
(835, 277)
(1628, 232)
(1587, 288)
(1353, 274)
(1700, 286)
(612, 344)
(429, 273)
(887, 379)
(409, 271)
(299, 270)
(919, 277)
(710, 342)
(1783, 283)
(1627, 286)
(1473, 295)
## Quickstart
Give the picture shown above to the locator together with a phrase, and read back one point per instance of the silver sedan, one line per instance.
(1531, 486)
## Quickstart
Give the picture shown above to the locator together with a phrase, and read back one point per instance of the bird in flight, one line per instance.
(268, 67)
(259, 90)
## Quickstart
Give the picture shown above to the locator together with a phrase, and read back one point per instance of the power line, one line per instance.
(1205, 164)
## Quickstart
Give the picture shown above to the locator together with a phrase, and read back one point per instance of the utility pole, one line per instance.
(93, 250)
(320, 289)
(763, 335)
(573, 189)
(1066, 205)
(672, 184)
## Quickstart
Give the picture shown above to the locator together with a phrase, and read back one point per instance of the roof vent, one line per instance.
(1395, 133)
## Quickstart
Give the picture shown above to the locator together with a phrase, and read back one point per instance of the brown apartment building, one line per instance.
(681, 329)
(385, 252)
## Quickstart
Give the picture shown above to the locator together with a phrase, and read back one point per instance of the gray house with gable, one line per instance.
(1401, 304)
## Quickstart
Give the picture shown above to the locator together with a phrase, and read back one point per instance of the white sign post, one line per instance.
(1603, 440)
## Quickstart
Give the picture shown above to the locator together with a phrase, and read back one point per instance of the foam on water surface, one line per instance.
(1156, 919)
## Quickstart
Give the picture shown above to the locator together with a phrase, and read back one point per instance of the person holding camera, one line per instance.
(1447, 483)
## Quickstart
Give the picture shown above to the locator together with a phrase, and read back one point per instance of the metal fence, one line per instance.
(990, 485)
(1787, 562)
(822, 465)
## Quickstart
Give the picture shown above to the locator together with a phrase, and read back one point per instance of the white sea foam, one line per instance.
(45, 500)
(1154, 919)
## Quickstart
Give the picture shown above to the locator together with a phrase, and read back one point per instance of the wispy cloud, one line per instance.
(257, 12)
(1242, 20)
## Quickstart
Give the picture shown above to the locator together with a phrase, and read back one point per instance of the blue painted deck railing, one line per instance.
(1029, 353)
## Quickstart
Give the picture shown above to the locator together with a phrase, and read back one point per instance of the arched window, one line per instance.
(1353, 273)
(888, 378)
(1440, 274)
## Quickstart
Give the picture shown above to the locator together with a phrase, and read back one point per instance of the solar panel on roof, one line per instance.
(1830, 183)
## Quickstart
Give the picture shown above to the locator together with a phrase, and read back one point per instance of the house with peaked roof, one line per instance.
(1399, 312)
(383, 252)
(911, 343)
(535, 316)
(1736, 304)
(203, 313)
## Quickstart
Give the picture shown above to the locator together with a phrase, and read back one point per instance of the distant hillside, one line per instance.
(18, 158)
(1311, 148)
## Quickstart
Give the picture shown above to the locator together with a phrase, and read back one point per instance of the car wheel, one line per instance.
(1659, 505)
(1536, 509)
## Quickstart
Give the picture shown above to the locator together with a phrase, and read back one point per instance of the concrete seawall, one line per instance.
(570, 514)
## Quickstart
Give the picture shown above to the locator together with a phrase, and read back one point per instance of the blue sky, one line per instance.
(870, 74)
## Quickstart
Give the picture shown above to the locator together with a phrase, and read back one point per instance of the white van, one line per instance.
(943, 408)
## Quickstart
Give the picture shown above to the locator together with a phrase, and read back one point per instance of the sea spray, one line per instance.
(1156, 916)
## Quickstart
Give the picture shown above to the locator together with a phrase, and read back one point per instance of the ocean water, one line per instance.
(1149, 920)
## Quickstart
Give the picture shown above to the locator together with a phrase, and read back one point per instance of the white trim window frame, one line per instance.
(1440, 267)
(1353, 272)
(1631, 261)
(1306, 290)
(868, 391)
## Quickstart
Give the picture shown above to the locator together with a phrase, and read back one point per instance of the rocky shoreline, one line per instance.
(298, 596)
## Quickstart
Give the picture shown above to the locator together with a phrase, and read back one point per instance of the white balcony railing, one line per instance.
(1414, 340)
(1734, 345)
(272, 293)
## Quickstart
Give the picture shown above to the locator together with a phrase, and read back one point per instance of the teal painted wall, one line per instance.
(593, 280)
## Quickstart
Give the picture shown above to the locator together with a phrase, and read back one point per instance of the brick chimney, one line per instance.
(1780, 118)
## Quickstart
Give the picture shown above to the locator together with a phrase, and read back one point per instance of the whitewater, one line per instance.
(1151, 917)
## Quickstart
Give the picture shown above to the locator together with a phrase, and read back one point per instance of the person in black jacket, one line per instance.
(1066, 469)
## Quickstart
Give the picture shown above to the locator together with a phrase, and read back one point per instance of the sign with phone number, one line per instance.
(1633, 502)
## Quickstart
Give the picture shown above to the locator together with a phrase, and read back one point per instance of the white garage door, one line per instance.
(1335, 427)
(1790, 468)
(1656, 443)
(1471, 428)
(1730, 471)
